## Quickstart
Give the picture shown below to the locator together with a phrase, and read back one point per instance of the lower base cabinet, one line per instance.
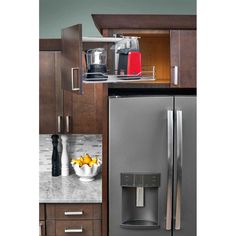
(72, 219)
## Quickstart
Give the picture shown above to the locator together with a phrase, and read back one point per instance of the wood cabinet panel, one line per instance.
(50, 93)
(183, 55)
(72, 58)
(57, 211)
(47, 98)
(42, 228)
(85, 111)
(62, 209)
(57, 221)
(97, 228)
(41, 211)
(51, 227)
(86, 226)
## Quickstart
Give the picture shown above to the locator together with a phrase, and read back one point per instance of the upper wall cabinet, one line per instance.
(183, 58)
(62, 111)
(50, 93)
(167, 43)
(71, 69)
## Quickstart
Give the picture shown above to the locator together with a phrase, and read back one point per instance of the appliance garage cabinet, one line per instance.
(64, 219)
(63, 111)
(167, 42)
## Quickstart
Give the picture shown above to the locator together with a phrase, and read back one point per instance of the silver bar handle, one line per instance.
(68, 230)
(176, 75)
(73, 213)
(59, 118)
(72, 79)
(179, 155)
(67, 124)
(170, 133)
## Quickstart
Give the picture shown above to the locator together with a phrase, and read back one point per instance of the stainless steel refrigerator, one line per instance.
(152, 166)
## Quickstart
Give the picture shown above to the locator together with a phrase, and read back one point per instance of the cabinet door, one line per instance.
(183, 58)
(72, 58)
(83, 113)
(50, 93)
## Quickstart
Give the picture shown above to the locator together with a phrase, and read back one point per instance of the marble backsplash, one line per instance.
(77, 145)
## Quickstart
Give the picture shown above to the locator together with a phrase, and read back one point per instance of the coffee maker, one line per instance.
(129, 57)
(96, 64)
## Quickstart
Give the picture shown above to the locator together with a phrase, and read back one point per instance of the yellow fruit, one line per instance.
(80, 163)
(76, 162)
(94, 160)
(81, 159)
(73, 162)
(91, 163)
(87, 159)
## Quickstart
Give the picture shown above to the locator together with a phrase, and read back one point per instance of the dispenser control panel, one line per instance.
(140, 180)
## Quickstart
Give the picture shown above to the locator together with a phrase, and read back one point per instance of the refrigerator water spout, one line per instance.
(139, 197)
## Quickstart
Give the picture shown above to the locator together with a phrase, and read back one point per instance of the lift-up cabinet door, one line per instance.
(71, 70)
(183, 58)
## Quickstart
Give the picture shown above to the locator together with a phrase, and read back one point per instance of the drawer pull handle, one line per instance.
(73, 213)
(67, 230)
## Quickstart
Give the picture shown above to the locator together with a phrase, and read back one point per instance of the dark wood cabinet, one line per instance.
(79, 219)
(71, 69)
(42, 223)
(50, 93)
(63, 111)
(83, 113)
(183, 58)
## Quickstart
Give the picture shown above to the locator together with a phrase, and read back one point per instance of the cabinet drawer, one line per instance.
(73, 211)
(74, 227)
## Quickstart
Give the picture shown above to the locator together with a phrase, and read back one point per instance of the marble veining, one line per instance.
(68, 189)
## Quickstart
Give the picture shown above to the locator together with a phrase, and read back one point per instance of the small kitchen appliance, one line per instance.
(96, 64)
(129, 59)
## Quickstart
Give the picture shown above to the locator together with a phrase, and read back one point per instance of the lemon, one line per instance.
(87, 159)
(91, 163)
(94, 160)
(73, 162)
(80, 163)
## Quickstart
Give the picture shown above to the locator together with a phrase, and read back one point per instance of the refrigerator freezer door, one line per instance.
(185, 166)
(138, 143)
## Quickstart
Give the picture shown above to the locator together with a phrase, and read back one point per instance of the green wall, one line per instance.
(57, 14)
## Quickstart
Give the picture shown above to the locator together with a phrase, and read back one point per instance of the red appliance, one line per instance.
(130, 63)
(134, 63)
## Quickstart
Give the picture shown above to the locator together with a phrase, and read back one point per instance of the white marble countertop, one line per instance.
(69, 189)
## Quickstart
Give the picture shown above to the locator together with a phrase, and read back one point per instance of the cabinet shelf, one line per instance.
(115, 79)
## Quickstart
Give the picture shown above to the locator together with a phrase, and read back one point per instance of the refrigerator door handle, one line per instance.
(179, 141)
(170, 133)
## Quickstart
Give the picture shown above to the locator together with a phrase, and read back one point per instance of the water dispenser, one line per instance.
(140, 200)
